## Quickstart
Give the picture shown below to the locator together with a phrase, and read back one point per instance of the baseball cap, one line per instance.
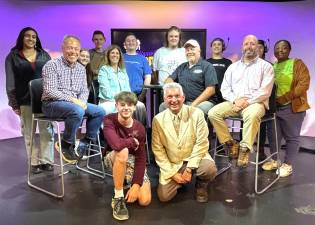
(192, 42)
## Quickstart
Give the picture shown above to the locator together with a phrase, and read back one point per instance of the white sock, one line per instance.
(119, 193)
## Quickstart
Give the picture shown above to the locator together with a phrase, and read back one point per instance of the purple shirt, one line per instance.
(119, 137)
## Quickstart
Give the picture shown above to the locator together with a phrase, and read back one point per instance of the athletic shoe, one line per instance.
(270, 165)
(120, 211)
(285, 170)
(67, 154)
(82, 149)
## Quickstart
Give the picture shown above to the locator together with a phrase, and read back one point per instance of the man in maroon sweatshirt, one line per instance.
(126, 137)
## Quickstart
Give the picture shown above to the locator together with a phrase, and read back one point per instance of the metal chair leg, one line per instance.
(257, 162)
(216, 154)
(88, 167)
(61, 175)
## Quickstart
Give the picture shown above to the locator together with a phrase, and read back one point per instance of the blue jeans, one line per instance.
(72, 115)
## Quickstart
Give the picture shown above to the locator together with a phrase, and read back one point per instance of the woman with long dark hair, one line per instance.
(23, 64)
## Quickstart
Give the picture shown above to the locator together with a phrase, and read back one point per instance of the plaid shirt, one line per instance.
(61, 82)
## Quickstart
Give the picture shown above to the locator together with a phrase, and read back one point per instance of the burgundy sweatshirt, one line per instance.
(119, 137)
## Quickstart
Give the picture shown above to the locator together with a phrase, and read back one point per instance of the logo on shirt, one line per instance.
(197, 71)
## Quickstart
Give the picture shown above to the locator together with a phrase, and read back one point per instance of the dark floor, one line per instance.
(232, 200)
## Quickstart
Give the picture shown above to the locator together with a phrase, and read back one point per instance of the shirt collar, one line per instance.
(251, 62)
(179, 114)
(67, 63)
(112, 69)
(198, 63)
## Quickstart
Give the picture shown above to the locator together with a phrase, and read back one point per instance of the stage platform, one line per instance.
(232, 200)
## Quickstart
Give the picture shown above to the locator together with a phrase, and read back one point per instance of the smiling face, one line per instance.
(114, 56)
(174, 99)
(131, 43)
(125, 110)
(84, 57)
(173, 39)
(250, 47)
(71, 49)
(217, 47)
(29, 39)
(192, 54)
(282, 51)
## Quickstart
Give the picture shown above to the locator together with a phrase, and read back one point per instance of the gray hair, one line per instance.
(67, 37)
(173, 85)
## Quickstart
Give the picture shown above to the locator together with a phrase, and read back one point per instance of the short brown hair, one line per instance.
(126, 96)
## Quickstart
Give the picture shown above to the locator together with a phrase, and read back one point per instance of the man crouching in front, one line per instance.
(126, 137)
(180, 145)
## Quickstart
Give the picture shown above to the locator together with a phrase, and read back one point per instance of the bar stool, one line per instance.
(36, 90)
(270, 116)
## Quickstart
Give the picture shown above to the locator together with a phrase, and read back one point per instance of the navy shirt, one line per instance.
(196, 79)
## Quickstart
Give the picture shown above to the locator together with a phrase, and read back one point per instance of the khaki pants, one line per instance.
(206, 171)
(46, 149)
(251, 116)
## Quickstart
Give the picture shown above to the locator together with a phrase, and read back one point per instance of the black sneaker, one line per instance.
(82, 148)
(36, 169)
(47, 167)
(67, 153)
(120, 211)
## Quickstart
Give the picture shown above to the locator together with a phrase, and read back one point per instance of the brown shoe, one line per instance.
(233, 147)
(243, 157)
(201, 190)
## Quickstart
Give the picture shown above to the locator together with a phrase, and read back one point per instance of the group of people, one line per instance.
(195, 91)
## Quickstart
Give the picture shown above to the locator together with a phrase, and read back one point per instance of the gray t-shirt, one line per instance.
(166, 60)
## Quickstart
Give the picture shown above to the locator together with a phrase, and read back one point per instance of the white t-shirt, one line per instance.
(166, 60)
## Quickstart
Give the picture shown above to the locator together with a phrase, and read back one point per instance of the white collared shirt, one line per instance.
(253, 80)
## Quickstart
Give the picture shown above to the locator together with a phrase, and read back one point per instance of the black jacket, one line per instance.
(19, 73)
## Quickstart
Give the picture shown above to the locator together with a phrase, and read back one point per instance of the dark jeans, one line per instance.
(73, 114)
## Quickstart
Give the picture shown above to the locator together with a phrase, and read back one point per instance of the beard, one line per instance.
(249, 53)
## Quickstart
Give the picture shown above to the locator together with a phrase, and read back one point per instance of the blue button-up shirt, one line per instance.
(112, 82)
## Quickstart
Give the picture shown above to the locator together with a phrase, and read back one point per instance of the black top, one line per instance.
(19, 72)
(196, 79)
(220, 66)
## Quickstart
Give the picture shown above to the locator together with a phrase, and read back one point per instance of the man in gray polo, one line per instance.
(197, 77)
